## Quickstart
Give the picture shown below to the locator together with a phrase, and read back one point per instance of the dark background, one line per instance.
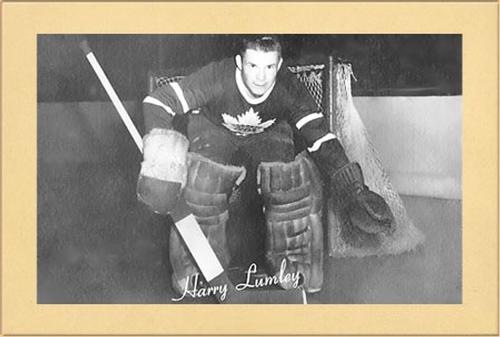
(385, 65)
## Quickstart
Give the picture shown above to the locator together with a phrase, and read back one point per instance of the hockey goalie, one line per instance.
(245, 115)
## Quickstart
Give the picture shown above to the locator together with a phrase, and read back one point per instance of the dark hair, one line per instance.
(264, 43)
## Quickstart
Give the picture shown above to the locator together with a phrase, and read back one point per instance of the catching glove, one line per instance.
(357, 205)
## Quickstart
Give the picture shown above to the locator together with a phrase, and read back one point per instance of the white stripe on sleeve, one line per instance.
(154, 101)
(178, 90)
(317, 144)
(306, 119)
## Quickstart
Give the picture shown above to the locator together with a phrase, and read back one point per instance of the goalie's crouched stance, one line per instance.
(292, 194)
(291, 191)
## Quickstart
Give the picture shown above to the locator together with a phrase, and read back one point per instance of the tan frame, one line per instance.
(478, 22)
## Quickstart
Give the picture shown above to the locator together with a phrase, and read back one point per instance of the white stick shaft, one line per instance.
(116, 101)
(199, 247)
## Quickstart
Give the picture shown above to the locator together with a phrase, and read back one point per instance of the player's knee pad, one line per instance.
(292, 194)
(207, 190)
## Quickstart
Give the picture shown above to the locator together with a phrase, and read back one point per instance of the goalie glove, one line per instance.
(357, 205)
(164, 170)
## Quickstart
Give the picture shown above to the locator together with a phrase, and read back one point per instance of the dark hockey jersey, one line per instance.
(219, 91)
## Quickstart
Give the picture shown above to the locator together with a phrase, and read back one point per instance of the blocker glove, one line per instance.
(164, 170)
(356, 204)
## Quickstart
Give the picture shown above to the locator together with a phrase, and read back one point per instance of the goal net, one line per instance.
(347, 125)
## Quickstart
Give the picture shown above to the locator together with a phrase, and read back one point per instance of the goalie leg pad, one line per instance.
(292, 194)
(207, 190)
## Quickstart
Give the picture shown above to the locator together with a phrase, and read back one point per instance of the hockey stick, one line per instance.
(187, 226)
(112, 94)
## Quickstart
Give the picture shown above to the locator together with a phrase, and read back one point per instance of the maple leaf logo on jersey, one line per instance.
(248, 123)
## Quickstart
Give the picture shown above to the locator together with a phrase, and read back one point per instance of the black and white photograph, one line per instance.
(249, 168)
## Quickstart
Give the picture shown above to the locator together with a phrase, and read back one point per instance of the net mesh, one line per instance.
(312, 77)
(160, 81)
(354, 137)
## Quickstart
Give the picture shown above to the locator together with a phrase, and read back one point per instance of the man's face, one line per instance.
(258, 70)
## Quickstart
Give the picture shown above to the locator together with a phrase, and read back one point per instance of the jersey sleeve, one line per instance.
(192, 92)
(312, 124)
